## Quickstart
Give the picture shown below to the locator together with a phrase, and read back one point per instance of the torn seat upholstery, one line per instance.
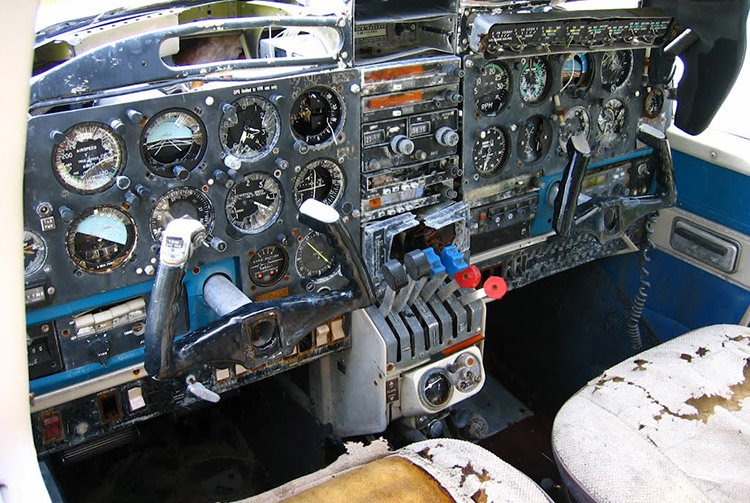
(671, 424)
(432, 471)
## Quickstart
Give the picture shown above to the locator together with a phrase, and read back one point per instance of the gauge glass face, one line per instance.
(490, 151)
(616, 68)
(316, 115)
(178, 203)
(321, 179)
(170, 138)
(576, 71)
(34, 253)
(88, 158)
(611, 120)
(577, 123)
(315, 258)
(436, 389)
(268, 265)
(534, 139)
(254, 203)
(492, 89)
(101, 239)
(534, 80)
(252, 131)
(654, 103)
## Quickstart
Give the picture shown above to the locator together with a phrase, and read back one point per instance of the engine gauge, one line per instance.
(490, 151)
(101, 239)
(534, 139)
(577, 123)
(254, 203)
(492, 88)
(34, 253)
(315, 258)
(180, 202)
(654, 103)
(616, 68)
(88, 158)
(251, 129)
(577, 71)
(611, 120)
(268, 265)
(321, 179)
(316, 115)
(173, 137)
(534, 82)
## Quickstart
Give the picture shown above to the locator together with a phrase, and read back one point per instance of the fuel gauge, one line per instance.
(268, 265)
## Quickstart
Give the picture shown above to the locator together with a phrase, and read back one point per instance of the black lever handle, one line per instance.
(579, 154)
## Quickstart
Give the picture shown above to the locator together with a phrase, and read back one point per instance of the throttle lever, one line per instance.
(579, 155)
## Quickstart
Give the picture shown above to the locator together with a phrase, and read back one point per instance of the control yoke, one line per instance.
(255, 333)
(608, 217)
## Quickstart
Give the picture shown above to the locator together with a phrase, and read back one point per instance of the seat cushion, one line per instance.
(432, 471)
(670, 424)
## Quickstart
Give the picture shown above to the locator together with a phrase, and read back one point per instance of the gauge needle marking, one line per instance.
(318, 252)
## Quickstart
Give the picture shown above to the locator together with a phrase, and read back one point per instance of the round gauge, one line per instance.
(576, 71)
(172, 137)
(251, 129)
(316, 115)
(492, 88)
(654, 103)
(490, 151)
(268, 265)
(611, 120)
(34, 253)
(88, 158)
(534, 139)
(254, 203)
(534, 80)
(315, 258)
(435, 388)
(616, 68)
(577, 123)
(321, 179)
(101, 239)
(178, 203)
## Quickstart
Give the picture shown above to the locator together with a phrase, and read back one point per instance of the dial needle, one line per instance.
(318, 252)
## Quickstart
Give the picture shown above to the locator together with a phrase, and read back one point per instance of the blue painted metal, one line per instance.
(713, 192)
(542, 224)
(199, 313)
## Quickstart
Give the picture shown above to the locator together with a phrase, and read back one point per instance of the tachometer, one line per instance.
(534, 139)
(254, 203)
(611, 120)
(316, 115)
(88, 158)
(654, 102)
(534, 80)
(490, 151)
(101, 239)
(170, 138)
(268, 265)
(315, 258)
(321, 179)
(616, 68)
(577, 123)
(492, 88)
(34, 253)
(249, 128)
(180, 202)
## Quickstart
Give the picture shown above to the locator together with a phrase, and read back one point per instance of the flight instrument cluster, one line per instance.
(457, 147)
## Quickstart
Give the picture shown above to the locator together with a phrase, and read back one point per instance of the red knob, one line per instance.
(469, 277)
(495, 287)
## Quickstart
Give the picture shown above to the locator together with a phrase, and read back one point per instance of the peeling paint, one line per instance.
(480, 496)
(686, 357)
(702, 352)
(640, 365)
(425, 453)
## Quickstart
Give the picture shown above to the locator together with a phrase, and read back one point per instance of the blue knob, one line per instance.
(436, 267)
(453, 260)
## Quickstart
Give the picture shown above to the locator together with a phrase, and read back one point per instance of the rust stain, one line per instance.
(425, 453)
(686, 357)
(706, 404)
(468, 470)
(702, 352)
(640, 365)
(480, 496)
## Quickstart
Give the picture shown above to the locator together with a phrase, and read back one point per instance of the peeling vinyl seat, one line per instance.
(671, 424)
(432, 471)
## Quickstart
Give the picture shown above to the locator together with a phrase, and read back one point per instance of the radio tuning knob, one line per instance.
(446, 137)
(400, 144)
